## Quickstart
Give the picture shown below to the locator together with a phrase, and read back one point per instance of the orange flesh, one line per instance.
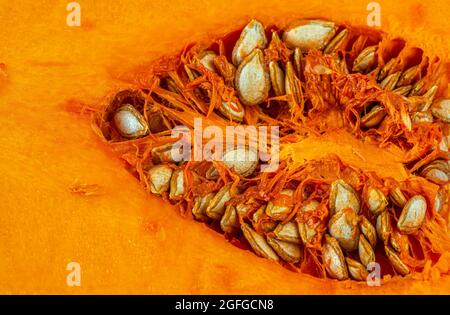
(385, 162)
(125, 240)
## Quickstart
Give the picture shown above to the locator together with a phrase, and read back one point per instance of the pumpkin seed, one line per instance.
(413, 215)
(440, 199)
(252, 80)
(225, 69)
(258, 243)
(376, 200)
(390, 81)
(292, 85)
(277, 78)
(429, 96)
(343, 226)
(397, 197)
(312, 34)
(441, 110)
(176, 184)
(365, 60)
(343, 196)
(307, 233)
(368, 230)
(243, 209)
(159, 178)
(357, 270)
(232, 110)
(418, 88)
(298, 56)
(422, 117)
(403, 90)
(374, 117)
(406, 119)
(289, 252)
(384, 227)
(287, 232)
(365, 251)
(437, 172)
(230, 221)
(279, 212)
(251, 38)
(386, 69)
(163, 154)
(396, 262)
(264, 222)
(206, 59)
(399, 242)
(336, 42)
(241, 160)
(409, 75)
(443, 145)
(200, 205)
(334, 259)
(216, 207)
(212, 173)
(130, 123)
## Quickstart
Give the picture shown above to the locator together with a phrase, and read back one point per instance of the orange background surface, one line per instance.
(125, 240)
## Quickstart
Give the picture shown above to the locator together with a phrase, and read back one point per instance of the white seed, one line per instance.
(292, 86)
(365, 251)
(200, 205)
(252, 79)
(307, 233)
(440, 200)
(397, 197)
(334, 259)
(165, 153)
(232, 110)
(374, 117)
(436, 175)
(230, 221)
(287, 232)
(441, 109)
(159, 178)
(129, 122)
(343, 226)
(289, 252)
(422, 117)
(396, 262)
(252, 37)
(343, 196)
(279, 212)
(242, 160)
(357, 270)
(258, 243)
(413, 215)
(262, 221)
(277, 78)
(216, 208)
(336, 42)
(399, 241)
(176, 184)
(365, 60)
(390, 81)
(376, 200)
(313, 34)
(384, 226)
(368, 230)
(206, 59)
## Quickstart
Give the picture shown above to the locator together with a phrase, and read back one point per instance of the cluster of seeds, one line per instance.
(323, 217)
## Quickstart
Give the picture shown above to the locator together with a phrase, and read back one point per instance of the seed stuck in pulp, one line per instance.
(361, 145)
